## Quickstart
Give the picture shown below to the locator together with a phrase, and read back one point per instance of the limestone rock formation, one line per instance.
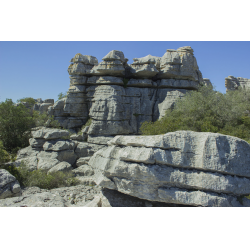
(233, 83)
(118, 97)
(183, 167)
(180, 64)
(9, 186)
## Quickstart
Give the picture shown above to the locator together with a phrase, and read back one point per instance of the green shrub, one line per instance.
(4, 155)
(29, 100)
(88, 123)
(15, 125)
(62, 95)
(43, 119)
(41, 179)
(206, 111)
(125, 82)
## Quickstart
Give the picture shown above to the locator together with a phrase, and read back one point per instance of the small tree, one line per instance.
(15, 125)
(61, 95)
(206, 110)
(29, 100)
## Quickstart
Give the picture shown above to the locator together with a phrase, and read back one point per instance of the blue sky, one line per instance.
(39, 69)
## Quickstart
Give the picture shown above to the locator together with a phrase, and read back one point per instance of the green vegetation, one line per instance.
(62, 95)
(29, 100)
(88, 123)
(41, 179)
(16, 123)
(125, 81)
(206, 110)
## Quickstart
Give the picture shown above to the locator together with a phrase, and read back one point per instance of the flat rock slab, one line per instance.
(61, 167)
(208, 169)
(84, 170)
(50, 134)
(59, 145)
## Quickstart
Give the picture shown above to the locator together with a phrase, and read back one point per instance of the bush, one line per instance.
(206, 111)
(29, 100)
(15, 125)
(41, 179)
(61, 95)
(43, 119)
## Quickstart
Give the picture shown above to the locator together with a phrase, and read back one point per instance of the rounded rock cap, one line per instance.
(84, 59)
(114, 55)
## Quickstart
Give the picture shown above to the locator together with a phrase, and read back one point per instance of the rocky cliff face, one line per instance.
(233, 83)
(118, 97)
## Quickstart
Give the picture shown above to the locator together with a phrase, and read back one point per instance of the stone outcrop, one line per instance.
(183, 167)
(9, 186)
(233, 83)
(118, 97)
(53, 150)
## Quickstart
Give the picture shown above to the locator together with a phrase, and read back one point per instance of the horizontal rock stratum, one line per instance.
(183, 167)
(118, 96)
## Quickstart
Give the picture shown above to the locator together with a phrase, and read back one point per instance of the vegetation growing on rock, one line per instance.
(206, 110)
(41, 179)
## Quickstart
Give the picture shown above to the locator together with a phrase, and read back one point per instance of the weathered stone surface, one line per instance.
(142, 70)
(77, 89)
(27, 152)
(44, 107)
(148, 60)
(205, 151)
(112, 198)
(103, 140)
(85, 149)
(86, 180)
(46, 164)
(84, 170)
(105, 80)
(9, 186)
(50, 134)
(114, 55)
(79, 137)
(77, 80)
(180, 64)
(36, 143)
(71, 122)
(49, 101)
(183, 167)
(29, 162)
(82, 161)
(179, 84)
(85, 59)
(233, 83)
(65, 155)
(109, 68)
(166, 99)
(79, 69)
(58, 145)
(141, 83)
(207, 82)
(76, 109)
(45, 199)
(62, 167)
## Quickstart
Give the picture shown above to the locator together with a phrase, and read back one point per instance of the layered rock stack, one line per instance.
(183, 167)
(118, 97)
(72, 111)
(233, 83)
(54, 150)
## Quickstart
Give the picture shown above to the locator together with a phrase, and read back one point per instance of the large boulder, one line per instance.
(9, 186)
(183, 167)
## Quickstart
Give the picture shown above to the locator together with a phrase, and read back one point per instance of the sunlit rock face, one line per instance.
(118, 96)
(234, 83)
